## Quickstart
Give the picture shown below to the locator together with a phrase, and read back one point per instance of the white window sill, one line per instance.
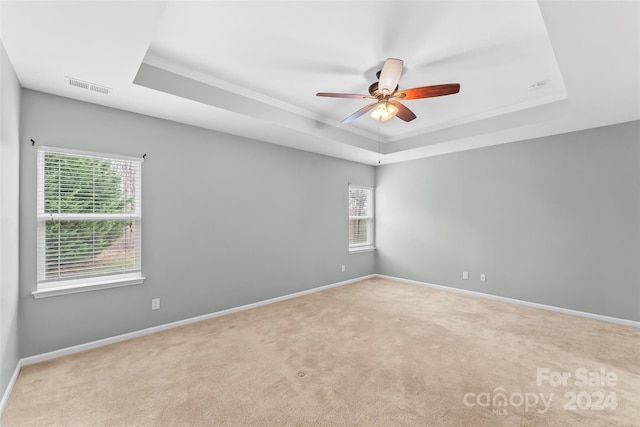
(361, 249)
(86, 287)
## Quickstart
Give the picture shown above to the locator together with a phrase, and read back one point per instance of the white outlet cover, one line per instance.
(465, 275)
(155, 304)
(483, 277)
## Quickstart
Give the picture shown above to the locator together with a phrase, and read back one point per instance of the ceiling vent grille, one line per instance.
(78, 83)
(100, 89)
(89, 86)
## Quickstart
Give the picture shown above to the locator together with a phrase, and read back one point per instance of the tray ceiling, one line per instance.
(526, 68)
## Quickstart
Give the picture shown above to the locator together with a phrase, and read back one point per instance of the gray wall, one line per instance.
(229, 221)
(554, 220)
(9, 218)
(226, 221)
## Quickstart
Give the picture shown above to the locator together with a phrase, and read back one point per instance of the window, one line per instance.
(360, 218)
(89, 222)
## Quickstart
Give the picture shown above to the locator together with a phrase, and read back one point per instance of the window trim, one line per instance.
(89, 284)
(49, 288)
(371, 244)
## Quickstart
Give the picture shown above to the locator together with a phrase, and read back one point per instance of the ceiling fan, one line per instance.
(385, 92)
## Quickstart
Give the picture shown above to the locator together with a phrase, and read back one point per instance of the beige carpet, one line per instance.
(373, 353)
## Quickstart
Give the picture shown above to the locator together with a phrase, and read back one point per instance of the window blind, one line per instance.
(89, 217)
(360, 216)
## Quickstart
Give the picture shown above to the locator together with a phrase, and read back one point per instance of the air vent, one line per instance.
(89, 86)
(78, 83)
(100, 89)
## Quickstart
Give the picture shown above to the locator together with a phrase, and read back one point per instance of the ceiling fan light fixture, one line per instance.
(384, 111)
(392, 110)
(377, 112)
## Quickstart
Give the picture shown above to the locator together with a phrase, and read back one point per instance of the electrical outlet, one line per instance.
(465, 275)
(483, 277)
(155, 304)
(344, 268)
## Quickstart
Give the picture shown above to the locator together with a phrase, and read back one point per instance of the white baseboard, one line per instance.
(592, 316)
(118, 338)
(9, 389)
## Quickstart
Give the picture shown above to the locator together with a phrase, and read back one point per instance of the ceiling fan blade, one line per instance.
(403, 112)
(428, 91)
(343, 95)
(390, 76)
(359, 113)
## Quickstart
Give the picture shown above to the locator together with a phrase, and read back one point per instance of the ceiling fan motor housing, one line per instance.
(373, 89)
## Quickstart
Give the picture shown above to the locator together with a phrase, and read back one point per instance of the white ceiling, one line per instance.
(253, 68)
